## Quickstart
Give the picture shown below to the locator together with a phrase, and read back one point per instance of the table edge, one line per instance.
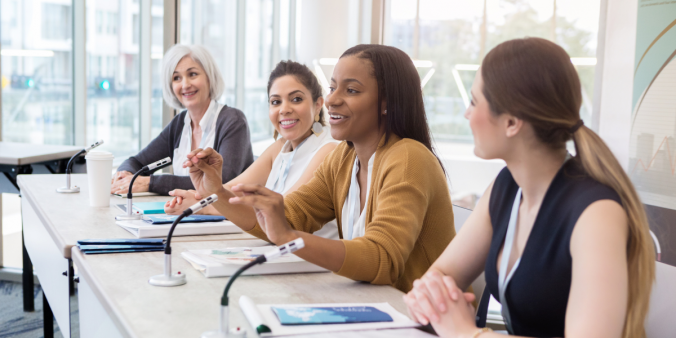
(106, 302)
(58, 240)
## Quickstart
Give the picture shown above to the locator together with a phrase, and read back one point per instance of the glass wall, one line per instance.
(113, 68)
(157, 38)
(451, 37)
(36, 74)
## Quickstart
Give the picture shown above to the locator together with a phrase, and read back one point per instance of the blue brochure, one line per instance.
(298, 315)
(165, 219)
(123, 241)
(149, 208)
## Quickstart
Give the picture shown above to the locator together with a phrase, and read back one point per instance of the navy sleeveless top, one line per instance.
(537, 294)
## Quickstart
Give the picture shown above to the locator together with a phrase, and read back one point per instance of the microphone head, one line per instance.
(285, 249)
(203, 203)
(94, 145)
(161, 163)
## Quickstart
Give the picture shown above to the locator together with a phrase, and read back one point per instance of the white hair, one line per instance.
(200, 55)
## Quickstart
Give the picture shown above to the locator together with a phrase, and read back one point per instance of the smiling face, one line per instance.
(490, 135)
(292, 111)
(190, 84)
(353, 101)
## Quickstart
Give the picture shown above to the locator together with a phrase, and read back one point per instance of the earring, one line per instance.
(317, 127)
(275, 135)
(385, 112)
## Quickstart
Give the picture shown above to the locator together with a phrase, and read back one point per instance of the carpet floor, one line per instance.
(14, 322)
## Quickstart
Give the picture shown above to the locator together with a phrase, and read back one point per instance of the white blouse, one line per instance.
(208, 125)
(354, 221)
(290, 165)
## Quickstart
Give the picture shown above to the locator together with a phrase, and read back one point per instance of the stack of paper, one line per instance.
(226, 261)
(144, 229)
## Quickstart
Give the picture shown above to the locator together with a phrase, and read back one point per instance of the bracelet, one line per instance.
(480, 331)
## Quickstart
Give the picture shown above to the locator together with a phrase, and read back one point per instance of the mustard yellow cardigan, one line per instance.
(409, 218)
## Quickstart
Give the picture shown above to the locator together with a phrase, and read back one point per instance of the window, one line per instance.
(113, 84)
(54, 21)
(36, 73)
(451, 37)
(157, 45)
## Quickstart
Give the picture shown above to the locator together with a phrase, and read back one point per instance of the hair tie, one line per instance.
(577, 126)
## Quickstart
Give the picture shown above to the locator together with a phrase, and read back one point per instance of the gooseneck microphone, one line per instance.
(167, 279)
(129, 215)
(279, 251)
(68, 189)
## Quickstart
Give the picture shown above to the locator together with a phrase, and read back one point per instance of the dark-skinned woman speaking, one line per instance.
(384, 185)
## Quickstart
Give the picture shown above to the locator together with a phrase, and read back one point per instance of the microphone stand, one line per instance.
(281, 250)
(167, 279)
(75, 189)
(129, 215)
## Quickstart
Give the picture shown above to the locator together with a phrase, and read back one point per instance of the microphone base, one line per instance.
(65, 190)
(164, 280)
(125, 217)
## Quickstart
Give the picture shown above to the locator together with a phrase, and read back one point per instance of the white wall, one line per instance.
(618, 76)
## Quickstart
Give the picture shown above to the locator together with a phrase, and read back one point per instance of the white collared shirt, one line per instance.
(208, 125)
(353, 199)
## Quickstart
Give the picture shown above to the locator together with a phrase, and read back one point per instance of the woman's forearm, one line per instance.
(242, 215)
(327, 253)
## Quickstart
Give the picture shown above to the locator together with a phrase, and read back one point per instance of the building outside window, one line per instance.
(453, 36)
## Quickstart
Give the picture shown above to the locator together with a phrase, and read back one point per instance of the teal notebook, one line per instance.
(150, 208)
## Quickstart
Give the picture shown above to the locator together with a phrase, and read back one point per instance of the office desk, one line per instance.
(17, 159)
(53, 223)
(117, 301)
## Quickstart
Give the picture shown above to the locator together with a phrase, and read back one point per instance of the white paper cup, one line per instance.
(99, 175)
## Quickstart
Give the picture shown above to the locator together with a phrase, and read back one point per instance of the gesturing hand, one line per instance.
(205, 167)
(182, 200)
(269, 208)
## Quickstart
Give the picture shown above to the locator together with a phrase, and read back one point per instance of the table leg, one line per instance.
(27, 277)
(48, 317)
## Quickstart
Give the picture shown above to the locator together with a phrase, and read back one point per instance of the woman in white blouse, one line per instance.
(295, 103)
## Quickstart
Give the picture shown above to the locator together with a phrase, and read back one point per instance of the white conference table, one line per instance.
(115, 299)
(54, 222)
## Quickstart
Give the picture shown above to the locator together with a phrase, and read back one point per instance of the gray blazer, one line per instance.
(232, 142)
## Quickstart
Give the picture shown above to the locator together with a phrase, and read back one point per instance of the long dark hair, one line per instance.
(534, 80)
(399, 85)
(304, 75)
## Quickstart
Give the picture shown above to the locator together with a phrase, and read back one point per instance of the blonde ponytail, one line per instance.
(600, 163)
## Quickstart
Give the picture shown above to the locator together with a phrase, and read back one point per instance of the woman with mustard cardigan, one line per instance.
(385, 186)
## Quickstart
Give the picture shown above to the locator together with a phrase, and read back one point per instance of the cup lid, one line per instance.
(99, 155)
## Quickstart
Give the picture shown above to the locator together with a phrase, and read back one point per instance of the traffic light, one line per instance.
(22, 82)
(104, 85)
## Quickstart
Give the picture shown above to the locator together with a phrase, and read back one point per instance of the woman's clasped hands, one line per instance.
(205, 172)
(436, 299)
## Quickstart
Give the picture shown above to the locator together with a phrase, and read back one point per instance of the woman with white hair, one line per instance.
(192, 82)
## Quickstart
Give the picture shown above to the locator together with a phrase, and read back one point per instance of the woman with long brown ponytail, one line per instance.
(563, 241)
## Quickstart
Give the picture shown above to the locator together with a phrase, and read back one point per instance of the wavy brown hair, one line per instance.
(534, 80)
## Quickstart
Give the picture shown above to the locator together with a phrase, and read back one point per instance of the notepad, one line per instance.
(301, 315)
(342, 317)
(226, 261)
